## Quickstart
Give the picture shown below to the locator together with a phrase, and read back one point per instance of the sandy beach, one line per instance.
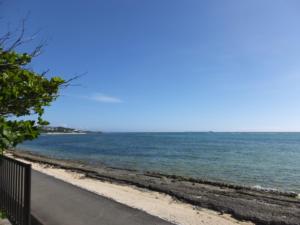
(154, 203)
(174, 199)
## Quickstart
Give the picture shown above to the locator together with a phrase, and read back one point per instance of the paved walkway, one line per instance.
(4, 222)
(55, 202)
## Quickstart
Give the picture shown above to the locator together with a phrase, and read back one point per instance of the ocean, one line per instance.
(262, 160)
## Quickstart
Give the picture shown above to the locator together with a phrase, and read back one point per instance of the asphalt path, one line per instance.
(55, 202)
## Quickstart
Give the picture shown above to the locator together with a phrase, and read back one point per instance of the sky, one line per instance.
(168, 65)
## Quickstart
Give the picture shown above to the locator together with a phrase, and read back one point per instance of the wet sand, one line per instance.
(201, 202)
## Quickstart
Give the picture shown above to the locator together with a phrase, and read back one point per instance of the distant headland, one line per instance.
(62, 130)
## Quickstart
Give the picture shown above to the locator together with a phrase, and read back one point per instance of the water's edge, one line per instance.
(244, 203)
(262, 160)
(47, 159)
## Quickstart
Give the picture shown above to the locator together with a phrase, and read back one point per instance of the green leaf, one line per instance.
(23, 92)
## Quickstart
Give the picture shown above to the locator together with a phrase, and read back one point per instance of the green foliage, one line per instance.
(23, 92)
(2, 215)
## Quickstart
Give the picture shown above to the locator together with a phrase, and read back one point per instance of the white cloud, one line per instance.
(98, 97)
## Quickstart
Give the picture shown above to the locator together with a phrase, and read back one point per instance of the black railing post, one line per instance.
(27, 194)
(15, 190)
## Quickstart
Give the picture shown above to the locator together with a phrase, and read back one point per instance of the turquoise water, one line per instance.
(269, 160)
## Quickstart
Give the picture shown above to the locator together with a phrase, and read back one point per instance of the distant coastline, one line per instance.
(52, 130)
(63, 133)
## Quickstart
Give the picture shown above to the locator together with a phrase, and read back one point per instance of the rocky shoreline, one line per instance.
(243, 203)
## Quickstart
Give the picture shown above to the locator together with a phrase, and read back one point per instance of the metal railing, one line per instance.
(15, 190)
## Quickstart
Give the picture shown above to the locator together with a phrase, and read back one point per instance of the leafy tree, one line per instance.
(23, 93)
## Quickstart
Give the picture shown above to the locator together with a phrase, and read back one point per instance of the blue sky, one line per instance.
(169, 65)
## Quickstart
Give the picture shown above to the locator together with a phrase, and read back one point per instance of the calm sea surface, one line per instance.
(269, 160)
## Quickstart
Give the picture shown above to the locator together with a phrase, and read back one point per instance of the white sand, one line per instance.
(154, 203)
